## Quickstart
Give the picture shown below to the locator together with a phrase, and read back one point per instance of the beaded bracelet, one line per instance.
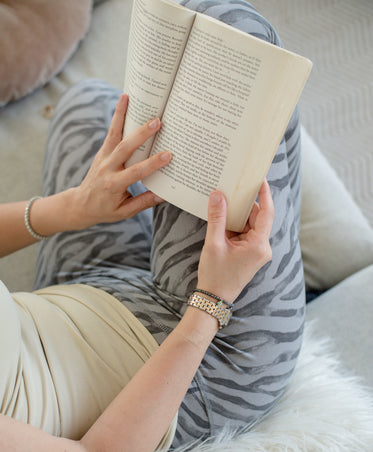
(27, 220)
(215, 297)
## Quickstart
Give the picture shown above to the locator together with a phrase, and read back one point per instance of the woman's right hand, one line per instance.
(103, 195)
(230, 260)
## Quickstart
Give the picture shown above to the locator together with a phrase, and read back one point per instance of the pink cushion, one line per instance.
(37, 38)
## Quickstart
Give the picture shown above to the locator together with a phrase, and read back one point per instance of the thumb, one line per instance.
(217, 216)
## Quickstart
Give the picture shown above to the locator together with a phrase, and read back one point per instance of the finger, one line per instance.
(237, 237)
(231, 235)
(217, 218)
(264, 217)
(133, 206)
(144, 168)
(134, 140)
(253, 214)
(115, 133)
(265, 197)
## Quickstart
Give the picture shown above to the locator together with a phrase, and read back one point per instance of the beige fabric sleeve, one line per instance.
(69, 350)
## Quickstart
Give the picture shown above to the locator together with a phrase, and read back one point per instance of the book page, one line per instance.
(219, 122)
(158, 34)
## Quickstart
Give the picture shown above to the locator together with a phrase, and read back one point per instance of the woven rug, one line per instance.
(323, 410)
(337, 104)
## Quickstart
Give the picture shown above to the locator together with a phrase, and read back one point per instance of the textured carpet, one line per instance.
(337, 104)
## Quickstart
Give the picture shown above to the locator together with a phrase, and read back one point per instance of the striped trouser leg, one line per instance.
(114, 257)
(77, 131)
(249, 363)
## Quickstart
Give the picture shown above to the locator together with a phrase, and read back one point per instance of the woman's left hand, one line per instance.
(103, 195)
(229, 260)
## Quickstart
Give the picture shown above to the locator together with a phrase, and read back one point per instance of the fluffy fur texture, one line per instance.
(324, 410)
(37, 38)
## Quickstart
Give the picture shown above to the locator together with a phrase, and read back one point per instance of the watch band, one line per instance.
(222, 315)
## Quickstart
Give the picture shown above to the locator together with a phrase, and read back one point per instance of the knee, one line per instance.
(238, 14)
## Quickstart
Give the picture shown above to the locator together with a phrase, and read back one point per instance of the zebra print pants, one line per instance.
(150, 264)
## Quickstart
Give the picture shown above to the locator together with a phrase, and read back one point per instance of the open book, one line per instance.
(224, 98)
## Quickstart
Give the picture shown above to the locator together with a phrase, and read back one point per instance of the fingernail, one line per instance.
(154, 124)
(215, 198)
(122, 99)
(165, 156)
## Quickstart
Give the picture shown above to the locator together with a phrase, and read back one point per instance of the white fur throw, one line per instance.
(324, 410)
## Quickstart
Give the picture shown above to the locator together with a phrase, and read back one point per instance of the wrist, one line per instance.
(55, 213)
(76, 217)
(216, 290)
(198, 327)
(212, 298)
(212, 305)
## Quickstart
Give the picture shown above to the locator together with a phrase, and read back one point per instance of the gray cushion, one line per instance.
(336, 239)
(345, 314)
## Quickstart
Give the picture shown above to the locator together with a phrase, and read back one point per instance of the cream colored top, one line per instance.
(65, 352)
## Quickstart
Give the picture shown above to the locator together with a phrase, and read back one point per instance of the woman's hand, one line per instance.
(102, 197)
(230, 260)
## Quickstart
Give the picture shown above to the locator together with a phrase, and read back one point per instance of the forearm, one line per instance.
(140, 415)
(48, 216)
(16, 436)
